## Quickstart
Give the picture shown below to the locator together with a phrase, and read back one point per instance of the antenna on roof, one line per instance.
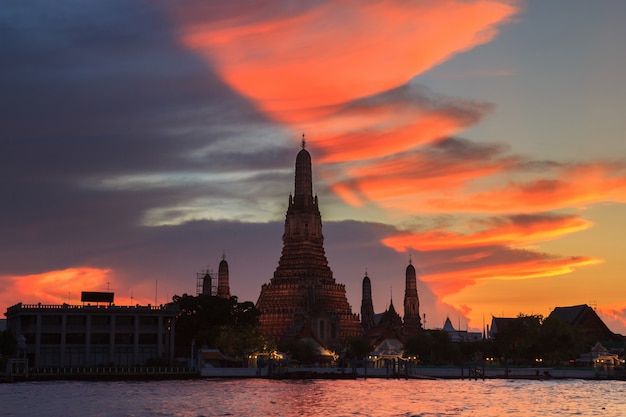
(303, 142)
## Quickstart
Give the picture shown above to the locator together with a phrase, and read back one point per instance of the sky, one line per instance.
(480, 140)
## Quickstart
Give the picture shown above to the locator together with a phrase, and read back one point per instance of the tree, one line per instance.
(432, 347)
(359, 347)
(303, 351)
(519, 339)
(561, 341)
(204, 318)
(241, 340)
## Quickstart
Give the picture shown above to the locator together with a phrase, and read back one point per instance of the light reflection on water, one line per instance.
(370, 397)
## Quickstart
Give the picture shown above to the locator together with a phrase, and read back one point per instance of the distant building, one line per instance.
(581, 316)
(460, 335)
(600, 357)
(303, 292)
(91, 335)
(587, 319)
(498, 324)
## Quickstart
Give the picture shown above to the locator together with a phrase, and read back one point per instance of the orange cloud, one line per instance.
(453, 176)
(295, 64)
(451, 282)
(395, 121)
(574, 186)
(54, 287)
(513, 230)
(408, 181)
(451, 261)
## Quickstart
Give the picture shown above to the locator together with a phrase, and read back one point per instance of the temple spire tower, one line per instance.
(367, 306)
(223, 286)
(412, 320)
(303, 295)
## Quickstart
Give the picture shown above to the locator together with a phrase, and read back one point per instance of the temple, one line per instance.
(412, 321)
(387, 329)
(303, 297)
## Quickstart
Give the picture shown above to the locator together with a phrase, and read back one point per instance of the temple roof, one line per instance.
(448, 327)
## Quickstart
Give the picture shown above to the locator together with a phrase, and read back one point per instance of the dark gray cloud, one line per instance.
(99, 91)
(104, 87)
(418, 96)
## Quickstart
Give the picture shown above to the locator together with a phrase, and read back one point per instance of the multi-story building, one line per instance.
(92, 335)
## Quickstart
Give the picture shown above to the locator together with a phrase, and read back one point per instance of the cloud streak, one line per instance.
(518, 230)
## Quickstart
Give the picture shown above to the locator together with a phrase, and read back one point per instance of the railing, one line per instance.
(19, 306)
(111, 372)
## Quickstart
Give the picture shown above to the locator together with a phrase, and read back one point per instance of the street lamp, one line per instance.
(193, 347)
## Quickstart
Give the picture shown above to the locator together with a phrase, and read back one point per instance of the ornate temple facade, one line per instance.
(389, 324)
(303, 296)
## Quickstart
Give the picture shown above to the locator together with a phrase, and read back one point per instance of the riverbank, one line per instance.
(101, 374)
(421, 372)
(465, 372)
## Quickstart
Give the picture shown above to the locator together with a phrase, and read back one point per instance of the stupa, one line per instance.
(412, 320)
(303, 297)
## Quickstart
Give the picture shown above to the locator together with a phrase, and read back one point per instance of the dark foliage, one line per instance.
(358, 348)
(207, 319)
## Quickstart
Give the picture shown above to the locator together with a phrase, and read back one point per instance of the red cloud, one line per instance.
(54, 287)
(392, 122)
(408, 181)
(532, 265)
(63, 286)
(293, 65)
(514, 230)
(572, 186)
(451, 261)
(466, 177)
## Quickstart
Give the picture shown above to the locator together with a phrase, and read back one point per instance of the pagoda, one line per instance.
(412, 321)
(303, 298)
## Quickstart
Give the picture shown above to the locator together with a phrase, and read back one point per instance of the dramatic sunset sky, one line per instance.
(482, 139)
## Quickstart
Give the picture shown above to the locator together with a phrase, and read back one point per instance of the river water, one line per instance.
(362, 397)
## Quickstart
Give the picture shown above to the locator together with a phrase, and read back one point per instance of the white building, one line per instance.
(460, 335)
(86, 335)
